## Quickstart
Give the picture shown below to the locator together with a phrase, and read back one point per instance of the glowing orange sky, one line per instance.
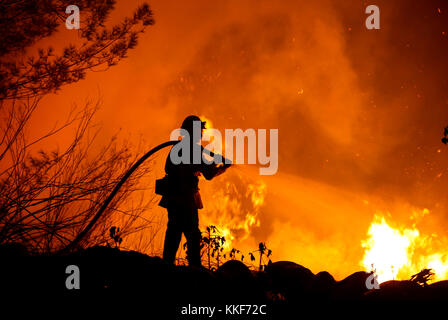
(360, 113)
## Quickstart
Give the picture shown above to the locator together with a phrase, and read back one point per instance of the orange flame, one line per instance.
(398, 253)
(236, 200)
(234, 206)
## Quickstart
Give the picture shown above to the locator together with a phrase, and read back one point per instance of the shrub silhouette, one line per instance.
(48, 197)
(114, 234)
(213, 241)
(423, 277)
(263, 251)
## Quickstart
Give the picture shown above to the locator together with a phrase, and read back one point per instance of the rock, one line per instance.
(233, 270)
(396, 290)
(437, 290)
(289, 279)
(352, 287)
(323, 285)
(238, 282)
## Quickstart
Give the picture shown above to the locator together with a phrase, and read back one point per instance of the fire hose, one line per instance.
(106, 203)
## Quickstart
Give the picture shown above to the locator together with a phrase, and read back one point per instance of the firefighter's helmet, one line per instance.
(187, 124)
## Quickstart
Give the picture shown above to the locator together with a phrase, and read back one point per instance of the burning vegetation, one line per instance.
(397, 253)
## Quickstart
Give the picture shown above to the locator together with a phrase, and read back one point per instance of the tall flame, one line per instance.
(387, 249)
(398, 253)
(235, 199)
(234, 205)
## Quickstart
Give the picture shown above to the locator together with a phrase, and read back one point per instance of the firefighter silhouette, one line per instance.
(182, 199)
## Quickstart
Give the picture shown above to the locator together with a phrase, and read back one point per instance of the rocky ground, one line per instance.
(285, 287)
